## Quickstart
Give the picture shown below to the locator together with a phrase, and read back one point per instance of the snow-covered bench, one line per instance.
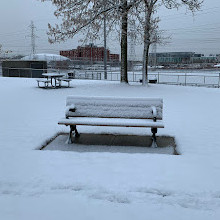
(43, 81)
(112, 111)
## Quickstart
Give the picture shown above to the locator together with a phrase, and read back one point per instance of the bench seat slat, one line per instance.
(119, 122)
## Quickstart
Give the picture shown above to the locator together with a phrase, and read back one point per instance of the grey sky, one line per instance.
(200, 33)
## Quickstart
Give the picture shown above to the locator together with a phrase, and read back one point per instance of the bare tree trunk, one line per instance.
(148, 12)
(124, 43)
(145, 64)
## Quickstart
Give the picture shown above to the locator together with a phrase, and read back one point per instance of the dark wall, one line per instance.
(22, 68)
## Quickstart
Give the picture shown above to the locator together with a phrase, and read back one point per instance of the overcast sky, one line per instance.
(200, 33)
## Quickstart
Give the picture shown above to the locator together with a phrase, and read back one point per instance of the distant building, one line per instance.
(24, 68)
(201, 58)
(89, 53)
(171, 57)
(180, 58)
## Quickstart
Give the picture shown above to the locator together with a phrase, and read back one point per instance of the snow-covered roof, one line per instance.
(217, 65)
(45, 57)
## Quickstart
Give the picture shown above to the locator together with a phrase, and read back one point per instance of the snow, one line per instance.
(112, 107)
(217, 65)
(45, 57)
(123, 122)
(99, 185)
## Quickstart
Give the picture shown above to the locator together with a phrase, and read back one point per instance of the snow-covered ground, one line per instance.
(69, 185)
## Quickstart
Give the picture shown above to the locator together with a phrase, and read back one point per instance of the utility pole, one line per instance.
(105, 50)
(154, 51)
(132, 43)
(91, 60)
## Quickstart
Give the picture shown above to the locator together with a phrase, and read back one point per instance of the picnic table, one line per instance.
(54, 76)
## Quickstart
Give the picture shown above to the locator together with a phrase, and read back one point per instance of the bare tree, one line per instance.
(78, 15)
(125, 8)
(150, 24)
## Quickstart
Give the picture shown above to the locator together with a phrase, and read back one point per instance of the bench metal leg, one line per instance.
(70, 138)
(154, 139)
(59, 83)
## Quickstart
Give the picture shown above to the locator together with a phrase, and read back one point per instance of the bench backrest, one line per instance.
(112, 107)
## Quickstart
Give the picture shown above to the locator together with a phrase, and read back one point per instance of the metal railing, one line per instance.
(188, 79)
(184, 79)
(199, 78)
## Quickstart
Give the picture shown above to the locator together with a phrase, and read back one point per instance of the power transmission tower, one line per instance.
(33, 38)
(132, 53)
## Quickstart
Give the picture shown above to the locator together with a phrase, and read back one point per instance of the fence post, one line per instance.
(218, 80)
(158, 76)
(185, 79)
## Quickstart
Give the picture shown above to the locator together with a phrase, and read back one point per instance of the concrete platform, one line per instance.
(114, 144)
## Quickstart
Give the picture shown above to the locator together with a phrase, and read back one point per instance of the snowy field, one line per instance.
(70, 185)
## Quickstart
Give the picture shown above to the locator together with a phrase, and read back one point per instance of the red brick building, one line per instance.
(89, 53)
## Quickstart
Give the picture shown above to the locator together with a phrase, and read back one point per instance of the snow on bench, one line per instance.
(112, 111)
(45, 81)
(60, 80)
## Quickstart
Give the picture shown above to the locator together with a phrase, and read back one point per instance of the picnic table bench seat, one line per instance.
(112, 111)
(43, 81)
(67, 80)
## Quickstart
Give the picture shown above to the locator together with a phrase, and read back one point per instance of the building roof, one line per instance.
(45, 57)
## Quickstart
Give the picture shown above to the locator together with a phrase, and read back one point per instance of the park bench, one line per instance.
(43, 81)
(112, 111)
